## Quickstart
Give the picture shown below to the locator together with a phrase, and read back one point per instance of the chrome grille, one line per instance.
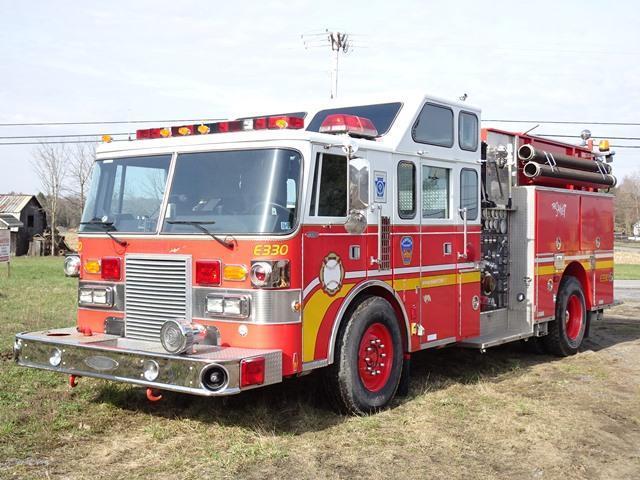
(157, 289)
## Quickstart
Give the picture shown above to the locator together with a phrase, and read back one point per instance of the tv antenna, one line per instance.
(338, 42)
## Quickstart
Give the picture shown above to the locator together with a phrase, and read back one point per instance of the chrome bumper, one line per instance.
(121, 359)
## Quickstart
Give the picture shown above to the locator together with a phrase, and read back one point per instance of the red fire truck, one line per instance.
(216, 258)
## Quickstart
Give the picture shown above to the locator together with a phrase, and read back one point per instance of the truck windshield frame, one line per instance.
(127, 194)
(236, 192)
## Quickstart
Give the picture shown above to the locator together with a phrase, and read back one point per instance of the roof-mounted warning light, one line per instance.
(350, 124)
(261, 123)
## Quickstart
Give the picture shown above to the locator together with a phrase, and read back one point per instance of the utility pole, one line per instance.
(338, 42)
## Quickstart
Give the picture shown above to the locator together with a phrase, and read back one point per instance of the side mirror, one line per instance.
(356, 222)
(171, 211)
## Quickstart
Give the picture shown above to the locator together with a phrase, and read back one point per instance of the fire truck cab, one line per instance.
(221, 257)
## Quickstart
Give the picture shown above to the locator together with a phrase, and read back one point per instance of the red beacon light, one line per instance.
(350, 124)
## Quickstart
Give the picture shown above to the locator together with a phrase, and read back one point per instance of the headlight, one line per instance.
(72, 266)
(229, 306)
(215, 304)
(270, 274)
(95, 297)
(86, 296)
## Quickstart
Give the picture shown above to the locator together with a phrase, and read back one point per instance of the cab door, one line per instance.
(333, 260)
(439, 249)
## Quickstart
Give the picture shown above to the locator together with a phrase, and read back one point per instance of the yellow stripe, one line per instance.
(316, 307)
(314, 312)
(551, 270)
(604, 264)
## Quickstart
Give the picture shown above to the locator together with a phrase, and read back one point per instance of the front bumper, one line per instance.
(112, 357)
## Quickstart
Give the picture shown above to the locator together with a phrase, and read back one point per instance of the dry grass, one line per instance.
(503, 414)
(628, 258)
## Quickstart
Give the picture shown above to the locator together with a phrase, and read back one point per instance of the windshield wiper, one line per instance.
(199, 226)
(107, 228)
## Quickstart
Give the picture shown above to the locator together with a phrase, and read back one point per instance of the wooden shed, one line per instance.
(24, 216)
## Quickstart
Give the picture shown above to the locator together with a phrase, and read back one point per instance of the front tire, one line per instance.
(567, 331)
(367, 367)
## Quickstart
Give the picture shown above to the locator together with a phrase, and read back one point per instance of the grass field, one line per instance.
(627, 272)
(502, 414)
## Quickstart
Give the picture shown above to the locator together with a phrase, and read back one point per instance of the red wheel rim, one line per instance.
(573, 317)
(375, 357)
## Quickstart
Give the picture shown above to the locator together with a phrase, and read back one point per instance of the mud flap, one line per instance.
(590, 317)
(403, 386)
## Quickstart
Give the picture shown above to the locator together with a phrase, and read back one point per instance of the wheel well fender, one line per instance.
(575, 269)
(363, 290)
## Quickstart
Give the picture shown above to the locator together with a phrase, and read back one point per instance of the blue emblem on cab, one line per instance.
(406, 249)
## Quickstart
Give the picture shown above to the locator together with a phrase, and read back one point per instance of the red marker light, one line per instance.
(234, 126)
(286, 122)
(252, 371)
(259, 123)
(148, 133)
(208, 272)
(111, 268)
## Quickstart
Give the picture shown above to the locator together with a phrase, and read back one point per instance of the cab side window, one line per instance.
(435, 192)
(434, 126)
(406, 190)
(469, 192)
(329, 195)
(468, 131)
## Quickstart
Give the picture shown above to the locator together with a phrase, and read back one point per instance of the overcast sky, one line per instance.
(546, 60)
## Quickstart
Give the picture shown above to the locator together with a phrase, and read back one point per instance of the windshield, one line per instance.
(243, 192)
(126, 194)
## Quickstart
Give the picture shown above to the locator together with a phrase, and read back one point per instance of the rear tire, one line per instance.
(567, 331)
(367, 366)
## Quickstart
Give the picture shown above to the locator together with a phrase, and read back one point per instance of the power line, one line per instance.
(559, 122)
(70, 135)
(608, 137)
(107, 122)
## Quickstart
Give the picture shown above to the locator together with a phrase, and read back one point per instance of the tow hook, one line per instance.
(153, 396)
(73, 381)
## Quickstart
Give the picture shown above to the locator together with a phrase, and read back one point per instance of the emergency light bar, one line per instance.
(262, 123)
(350, 124)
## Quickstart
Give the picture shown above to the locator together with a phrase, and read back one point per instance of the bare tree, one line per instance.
(51, 163)
(82, 158)
(628, 202)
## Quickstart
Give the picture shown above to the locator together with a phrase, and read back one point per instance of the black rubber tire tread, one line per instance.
(342, 381)
(556, 341)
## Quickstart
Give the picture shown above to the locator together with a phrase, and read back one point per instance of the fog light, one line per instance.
(151, 370)
(56, 357)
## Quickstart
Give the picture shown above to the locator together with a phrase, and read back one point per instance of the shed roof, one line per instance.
(14, 203)
(10, 221)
